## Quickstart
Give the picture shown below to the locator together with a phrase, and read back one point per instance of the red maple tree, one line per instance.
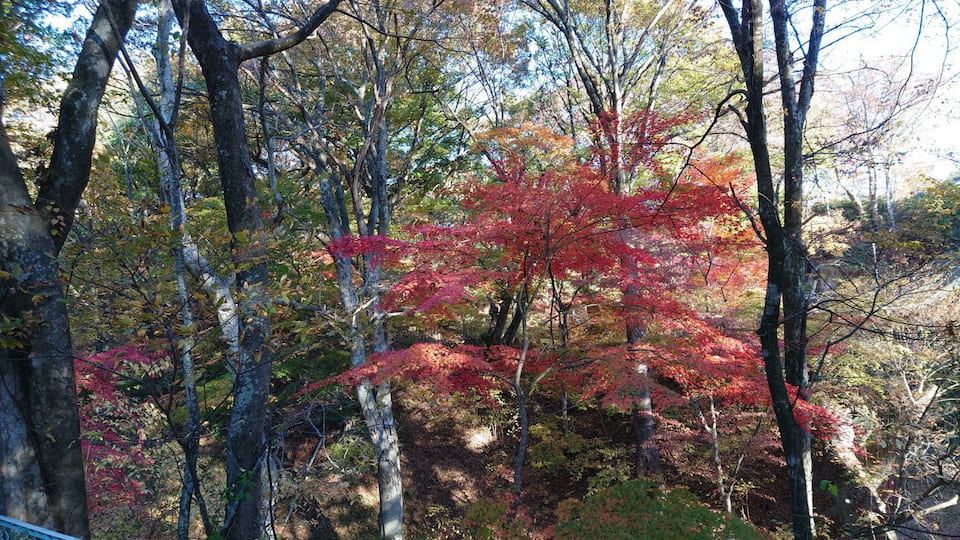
(112, 427)
(541, 249)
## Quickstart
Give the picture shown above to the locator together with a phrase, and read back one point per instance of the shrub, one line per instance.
(640, 509)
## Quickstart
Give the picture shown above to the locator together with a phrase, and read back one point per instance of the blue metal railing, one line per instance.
(11, 529)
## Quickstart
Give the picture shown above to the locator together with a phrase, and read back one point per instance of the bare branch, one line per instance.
(280, 44)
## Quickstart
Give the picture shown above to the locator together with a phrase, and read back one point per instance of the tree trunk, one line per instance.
(23, 495)
(168, 165)
(873, 204)
(710, 428)
(63, 182)
(521, 454)
(386, 442)
(786, 253)
(38, 369)
(219, 62)
(891, 201)
(376, 403)
(44, 424)
(42, 478)
(646, 452)
(377, 407)
(499, 314)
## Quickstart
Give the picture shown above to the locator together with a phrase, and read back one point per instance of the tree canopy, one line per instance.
(495, 269)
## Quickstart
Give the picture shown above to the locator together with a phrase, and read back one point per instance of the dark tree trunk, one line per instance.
(785, 303)
(41, 467)
(646, 454)
(66, 178)
(519, 312)
(498, 320)
(43, 426)
(219, 61)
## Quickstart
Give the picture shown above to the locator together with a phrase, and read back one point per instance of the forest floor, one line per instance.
(455, 454)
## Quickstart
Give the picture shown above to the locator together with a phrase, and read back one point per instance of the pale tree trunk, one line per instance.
(366, 176)
(890, 195)
(873, 204)
(375, 401)
(169, 168)
(386, 41)
(168, 165)
(858, 208)
(646, 452)
(521, 455)
(786, 253)
(41, 468)
(724, 489)
(377, 408)
(386, 441)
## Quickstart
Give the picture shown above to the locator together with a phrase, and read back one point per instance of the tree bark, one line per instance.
(63, 182)
(43, 424)
(376, 403)
(42, 478)
(168, 166)
(645, 451)
(786, 253)
(219, 61)
(251, 369)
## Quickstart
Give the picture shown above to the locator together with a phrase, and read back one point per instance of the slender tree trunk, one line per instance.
(873, 205)
(890, 196)
(522, 396)
(646, 452)
(169, 171)
(710, 428)
(366, 176)
(521, 456)
(376, 403)
(786, 253)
